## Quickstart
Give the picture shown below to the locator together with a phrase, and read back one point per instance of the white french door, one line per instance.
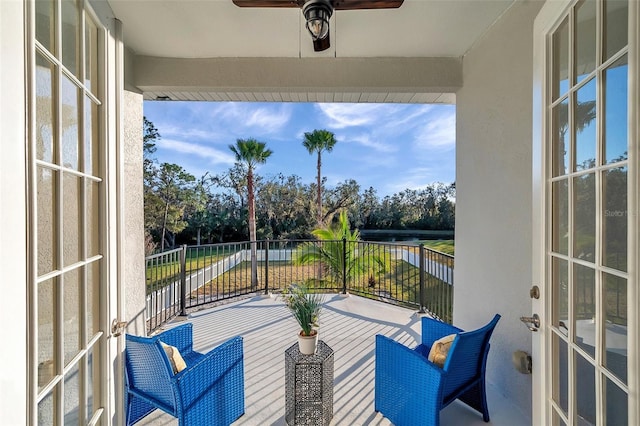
(69, 297)
(586, 191)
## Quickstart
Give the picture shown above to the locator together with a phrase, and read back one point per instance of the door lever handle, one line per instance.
(532, 322)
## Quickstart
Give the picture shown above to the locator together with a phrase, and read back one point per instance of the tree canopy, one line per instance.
(214, 208)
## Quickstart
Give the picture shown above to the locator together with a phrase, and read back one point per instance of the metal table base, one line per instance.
(309, 386)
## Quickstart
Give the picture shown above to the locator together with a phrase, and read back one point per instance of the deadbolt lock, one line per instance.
(534, 292)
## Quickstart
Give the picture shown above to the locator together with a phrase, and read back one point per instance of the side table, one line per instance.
(308, 386)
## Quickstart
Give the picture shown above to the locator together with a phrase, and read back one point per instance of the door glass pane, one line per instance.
(556, 420)
(584, 217)
(46, 332)
(69, 129)
(93, 363)
(616, 18)
(584, 295)
(45, 23)
(616, 404)
(91, 138)
(71, 310)
(615, 334)
(46, 409)
(72, 392)
(614, 222)
(44, 109)
(560, 372)
(46, 184)
(92, 202)
(91, 55)
(72, 215)
(70, 40)
(560, 220)
(560, 283)
(585, 388)
(615, 111)
(585, 114)
(561, 60)
(560, 154)
(585, 38)
(93, 298)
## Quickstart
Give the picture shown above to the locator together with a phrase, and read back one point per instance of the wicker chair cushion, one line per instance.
(177, 362)
(440, 349)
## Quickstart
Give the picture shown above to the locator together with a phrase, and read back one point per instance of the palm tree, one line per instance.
(342, 253)
(251, 153)
(318, 141)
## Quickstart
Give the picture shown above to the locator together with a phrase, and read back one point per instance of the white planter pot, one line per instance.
(308, 344)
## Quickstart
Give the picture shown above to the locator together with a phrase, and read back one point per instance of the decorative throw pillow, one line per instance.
(440, 349)
(176, 360)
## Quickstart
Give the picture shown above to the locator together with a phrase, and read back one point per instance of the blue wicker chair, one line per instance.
(411, 390)
(209, 391)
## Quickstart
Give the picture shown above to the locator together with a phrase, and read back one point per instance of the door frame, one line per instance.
(549, 16)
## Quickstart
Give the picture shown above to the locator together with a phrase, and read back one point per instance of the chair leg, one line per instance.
(137, 409)
(476, 398)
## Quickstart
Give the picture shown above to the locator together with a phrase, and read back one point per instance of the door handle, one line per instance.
(532, 322)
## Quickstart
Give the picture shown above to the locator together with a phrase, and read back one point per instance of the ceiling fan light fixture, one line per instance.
(317, 13)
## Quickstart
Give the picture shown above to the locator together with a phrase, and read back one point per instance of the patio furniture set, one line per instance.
(411, 385)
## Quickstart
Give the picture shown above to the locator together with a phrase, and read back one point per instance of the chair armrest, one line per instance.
(407, 386)
(215, 380)
(181, 337)
(433, 330)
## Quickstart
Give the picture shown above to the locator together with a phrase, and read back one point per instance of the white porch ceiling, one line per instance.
(215, 29)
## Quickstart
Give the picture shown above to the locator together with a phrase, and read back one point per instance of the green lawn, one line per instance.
(443, 246)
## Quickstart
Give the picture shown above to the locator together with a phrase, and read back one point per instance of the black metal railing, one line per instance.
(404, 274)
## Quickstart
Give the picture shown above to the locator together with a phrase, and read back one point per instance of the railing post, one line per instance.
(423, 294)
(183, 280)
(344, 265)
(266, 267)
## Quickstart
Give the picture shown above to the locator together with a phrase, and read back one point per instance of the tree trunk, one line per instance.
(164, 226)
(198, 237)
(320, 221)
(252, 231)
(319, 201)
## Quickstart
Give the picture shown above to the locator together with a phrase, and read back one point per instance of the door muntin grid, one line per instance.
(67, 204)
(587, 238)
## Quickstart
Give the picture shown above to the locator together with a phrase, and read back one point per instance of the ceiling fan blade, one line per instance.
(320, 45)
(268, 3)
(337, 4)
(366, 4)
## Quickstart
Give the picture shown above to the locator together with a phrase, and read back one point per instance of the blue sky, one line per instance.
(390, 147)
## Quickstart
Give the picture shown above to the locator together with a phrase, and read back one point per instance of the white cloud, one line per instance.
(438, 132)
(351, 115)
(241, 116)
(366, 140)
(269, 119)
(189, 132)
(214, 156)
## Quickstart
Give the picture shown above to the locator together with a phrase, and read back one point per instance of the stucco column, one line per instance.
(133, 215)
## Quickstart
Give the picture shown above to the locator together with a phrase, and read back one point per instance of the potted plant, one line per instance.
(305, 308)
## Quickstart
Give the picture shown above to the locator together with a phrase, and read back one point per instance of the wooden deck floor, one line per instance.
(348, 325)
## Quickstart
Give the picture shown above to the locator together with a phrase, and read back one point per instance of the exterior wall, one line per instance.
(13, 216)
(494, 194)
(133, 214)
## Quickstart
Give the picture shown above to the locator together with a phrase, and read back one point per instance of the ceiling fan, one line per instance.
(318, 12)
